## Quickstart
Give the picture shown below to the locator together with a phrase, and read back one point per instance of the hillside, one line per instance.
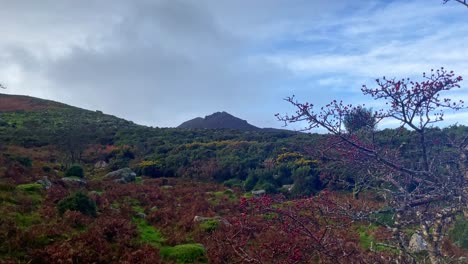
(26, 103)
(188, 195)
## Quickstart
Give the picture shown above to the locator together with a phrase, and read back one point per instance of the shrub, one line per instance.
(25, 161)
(46, 168)
(77, 202)
(75, 170)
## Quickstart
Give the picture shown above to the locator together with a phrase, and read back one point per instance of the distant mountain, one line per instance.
(219, 120)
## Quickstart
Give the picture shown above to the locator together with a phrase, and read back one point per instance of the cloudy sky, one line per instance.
(162, 62)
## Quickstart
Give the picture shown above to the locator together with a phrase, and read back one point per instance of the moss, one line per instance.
(185, 253)
(148, 234)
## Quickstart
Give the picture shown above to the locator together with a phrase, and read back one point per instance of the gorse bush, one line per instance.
(75, 170)
(78, 202)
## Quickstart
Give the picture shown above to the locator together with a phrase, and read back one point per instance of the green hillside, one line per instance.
(58, 204)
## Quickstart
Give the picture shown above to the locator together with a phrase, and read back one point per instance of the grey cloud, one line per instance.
(161, 62)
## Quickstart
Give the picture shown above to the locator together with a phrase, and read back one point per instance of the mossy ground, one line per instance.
(185, 253)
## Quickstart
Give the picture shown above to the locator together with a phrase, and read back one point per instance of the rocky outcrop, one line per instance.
(201, 219)
(45, 182)
(100, 165)
(73, 181)
(124, 175)
(258, 193)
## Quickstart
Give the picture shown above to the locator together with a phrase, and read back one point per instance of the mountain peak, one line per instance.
(219, 120)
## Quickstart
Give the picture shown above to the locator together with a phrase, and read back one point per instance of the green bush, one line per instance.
(186, 253)
(233, 183)
(75, 170)
(25, 161)
(77, 202)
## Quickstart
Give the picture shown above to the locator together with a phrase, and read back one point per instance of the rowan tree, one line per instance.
(423, 193)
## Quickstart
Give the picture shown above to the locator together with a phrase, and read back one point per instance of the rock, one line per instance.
(100, 165)
(45, 182)
(417, 243)
(124, 175)
(141, 215)
(258, 193)
(288, 187)
(73, 181)
(200, 219)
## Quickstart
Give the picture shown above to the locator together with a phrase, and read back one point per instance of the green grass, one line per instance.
(185, 253)
(31, 191)
(221, 195)
(148, 234)
(24, 221)
(367, 240)
(209, 225)
(30, 187)
(459, 233)
(138, 180)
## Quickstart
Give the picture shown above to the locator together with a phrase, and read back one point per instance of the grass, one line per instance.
(185, 253)
(209, 225)
(24, 221)
(148, 234)
(30, 187)
(368, 241)
(138, 180)
(31, 192)
(459, 233)
(219, 196)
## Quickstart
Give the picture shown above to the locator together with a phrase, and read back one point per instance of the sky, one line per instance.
(162, 62)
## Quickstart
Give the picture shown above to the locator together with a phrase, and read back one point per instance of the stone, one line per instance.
(200, 219)
(100, 165)
(417, 243)
(73, 181)
(258, 193)
(141, 215)
(288, 187)
(124, 175)
(45, 182)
